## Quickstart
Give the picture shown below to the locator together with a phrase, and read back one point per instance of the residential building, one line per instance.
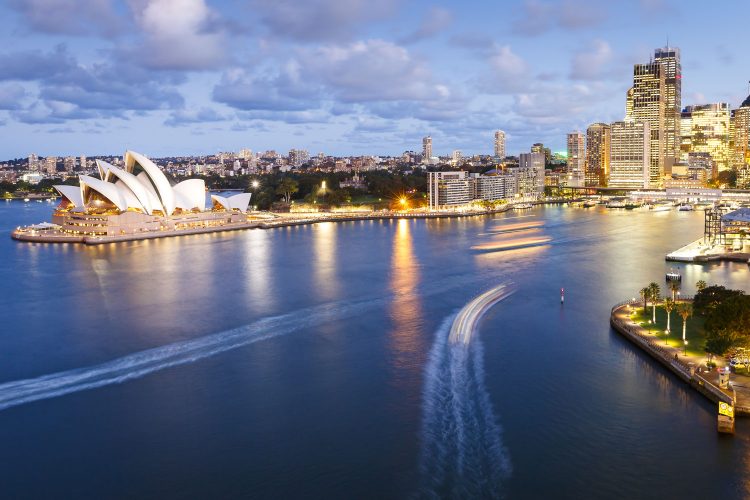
(449, 189)
(576, 159)
(50, 165)
(426, 149)
(500, 144)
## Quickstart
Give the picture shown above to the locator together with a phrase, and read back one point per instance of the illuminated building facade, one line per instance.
(705, 129)
(649, 106)
(740, 151)
(576, 159)
(598, 137)
(500, 144)
(630, 155)
(669, 58)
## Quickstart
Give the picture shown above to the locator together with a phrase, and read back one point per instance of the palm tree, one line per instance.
(685, 310)
(669, 306)
(654, 291)
(674, 286)
(701, 285)
(645, 295)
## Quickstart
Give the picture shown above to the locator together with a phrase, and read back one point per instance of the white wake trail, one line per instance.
(462, 450)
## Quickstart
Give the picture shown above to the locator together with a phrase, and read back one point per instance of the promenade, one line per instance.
(689, 367)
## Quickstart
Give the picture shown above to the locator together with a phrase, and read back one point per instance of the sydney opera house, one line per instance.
(139, 198)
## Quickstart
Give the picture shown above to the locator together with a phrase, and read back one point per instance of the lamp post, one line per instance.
(666, 336)
(686, 342)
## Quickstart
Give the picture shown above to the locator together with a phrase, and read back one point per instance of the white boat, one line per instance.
(523, 206)
(685, 207)
(616, 204)
(26, 200)
(590, 203)
(661, 207)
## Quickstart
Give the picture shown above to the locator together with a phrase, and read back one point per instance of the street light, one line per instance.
(666, 336)
(686, 342)
(255, 184)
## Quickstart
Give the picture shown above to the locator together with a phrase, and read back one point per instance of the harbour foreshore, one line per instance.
(287, 220)
(686, 367)
(699, 251)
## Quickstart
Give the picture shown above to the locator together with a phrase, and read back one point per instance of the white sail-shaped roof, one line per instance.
(190, 194)
(161, 184)
(146, 201)
(72, 194)
(103, 167)
(237, 202)
(106, 189)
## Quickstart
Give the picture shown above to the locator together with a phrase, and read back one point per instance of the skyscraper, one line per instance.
(597, 154)
(576, 159)
(50, 165)
(426, 149)
(500, 144)
(629, 157)
(649, 106)
(669, 58)
(629, 104)
(33, 163)
(741, 134)
(705, 129)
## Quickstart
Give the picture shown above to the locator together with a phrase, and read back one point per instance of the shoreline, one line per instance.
(705, 382)
(52, 237)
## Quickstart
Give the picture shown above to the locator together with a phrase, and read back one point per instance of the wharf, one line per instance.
(687, 367)
(698, 251)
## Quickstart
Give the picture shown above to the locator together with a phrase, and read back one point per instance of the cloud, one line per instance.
(435, 21)
(181, 117)
(84, 17)
(44, 112)
(591, 62)
(320, 20)
(283, 91)
(34, 64)
(508, 72)
(180, 35)
(538, 17)
(11, 96)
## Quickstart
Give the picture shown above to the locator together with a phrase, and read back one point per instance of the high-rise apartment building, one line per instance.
(630, 154)
(669, 58)
(740, 152)
(530, 174)
(650, 106)
(449, 188)
(576, 159)
(426, 149)
(629, 104)
(83, 162)
(33, 163)
(70, 164)
(456, 157)
(500, 144)
(538, 147)
(597, 154)
(705, 129)
(50, 165)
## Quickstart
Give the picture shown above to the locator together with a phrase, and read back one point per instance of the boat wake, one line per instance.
(462, 450)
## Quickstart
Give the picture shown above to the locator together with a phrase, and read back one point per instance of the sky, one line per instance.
(342, 77)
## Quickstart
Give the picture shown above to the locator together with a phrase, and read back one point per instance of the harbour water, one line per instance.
(312, 361)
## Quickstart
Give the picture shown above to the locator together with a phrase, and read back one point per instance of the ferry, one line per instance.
(590, 203)
(523, 206)
(673, 275)
(616, 204)
(630, 205)
(685, 207)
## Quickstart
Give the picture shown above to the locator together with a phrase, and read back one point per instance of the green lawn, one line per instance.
(695, 335)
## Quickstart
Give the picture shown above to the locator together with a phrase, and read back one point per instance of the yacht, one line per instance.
(661, 207)
(523, 206)
(616, 204)
(685, 207)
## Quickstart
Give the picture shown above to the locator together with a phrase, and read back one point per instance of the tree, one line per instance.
(287, 188)
(669, 306)
(684, 309)
(674, 287)
(645, 294)
(654, 291)
(700, 285)
(719, 342)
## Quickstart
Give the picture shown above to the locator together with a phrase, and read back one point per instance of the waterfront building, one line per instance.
(499, 144)
(649, 106)
(629, 157)
(597, 154)
(426, 149)
(138, 198)
(494, 186)
(740, 139)
(705, 129)
(576, 159)
(449, 189)
(529, 174)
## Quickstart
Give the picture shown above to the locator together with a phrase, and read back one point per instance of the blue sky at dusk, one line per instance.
(170, 77)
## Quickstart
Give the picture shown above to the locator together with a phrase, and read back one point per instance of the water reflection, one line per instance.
(257, 270)
(324, 265)
(407, 344)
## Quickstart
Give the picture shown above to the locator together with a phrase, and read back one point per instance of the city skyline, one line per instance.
(196, 77)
